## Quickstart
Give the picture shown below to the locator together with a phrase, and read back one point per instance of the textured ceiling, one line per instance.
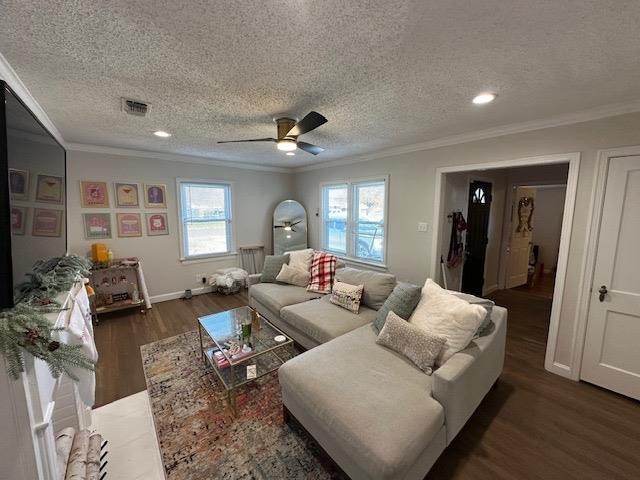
(385, 73)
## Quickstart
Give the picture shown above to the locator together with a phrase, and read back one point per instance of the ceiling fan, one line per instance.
(288, 226)
(289, 131)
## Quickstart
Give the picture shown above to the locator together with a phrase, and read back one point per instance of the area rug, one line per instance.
(198, 437)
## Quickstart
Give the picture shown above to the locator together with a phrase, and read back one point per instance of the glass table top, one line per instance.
(246, 327)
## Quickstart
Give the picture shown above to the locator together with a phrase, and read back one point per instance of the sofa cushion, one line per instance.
(275, 296)
(374, 403)
(301, 259)
(485, 326)
(324, 321)
(420, 346)
(447, 316)
(346, 296)
(377, 286)
(293, 276)
(272, 266)
(402, 302)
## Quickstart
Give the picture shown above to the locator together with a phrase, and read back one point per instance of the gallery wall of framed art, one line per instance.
(123, 209)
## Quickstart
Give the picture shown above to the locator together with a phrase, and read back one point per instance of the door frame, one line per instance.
(573, 159)
(593, 233)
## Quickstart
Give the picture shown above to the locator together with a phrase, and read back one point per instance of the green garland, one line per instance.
(26, 328)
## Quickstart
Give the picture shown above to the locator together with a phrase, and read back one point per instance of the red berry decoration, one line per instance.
(45, 301)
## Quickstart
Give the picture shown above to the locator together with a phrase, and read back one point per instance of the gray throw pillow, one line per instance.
(402, 302)
(485, 327)
(377, 285)
(420, 346)
(272, 266)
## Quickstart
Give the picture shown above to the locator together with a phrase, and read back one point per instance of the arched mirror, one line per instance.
(289, 227)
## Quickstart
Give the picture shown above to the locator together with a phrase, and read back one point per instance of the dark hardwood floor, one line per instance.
(120, 335)
(534, 425)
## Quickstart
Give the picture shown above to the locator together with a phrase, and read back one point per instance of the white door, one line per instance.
(612, 346)
(520, 236)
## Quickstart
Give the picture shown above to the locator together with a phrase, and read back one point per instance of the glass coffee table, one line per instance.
(265, 348)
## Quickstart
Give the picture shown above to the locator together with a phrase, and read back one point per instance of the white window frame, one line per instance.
(229, 204)
(350, 256)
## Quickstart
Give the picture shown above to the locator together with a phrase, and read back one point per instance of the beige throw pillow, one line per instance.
(420, 346)
(301, 259)
(293, 276)
(447, 316)
(346, 296)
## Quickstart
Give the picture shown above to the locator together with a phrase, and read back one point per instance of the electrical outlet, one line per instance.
(422, 226)
(201, 278)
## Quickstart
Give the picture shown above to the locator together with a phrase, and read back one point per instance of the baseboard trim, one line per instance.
(490, 289)
(164, 297)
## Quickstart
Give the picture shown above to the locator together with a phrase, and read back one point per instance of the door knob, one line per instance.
(603, 291)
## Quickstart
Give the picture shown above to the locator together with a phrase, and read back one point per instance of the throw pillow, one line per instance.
(346, 296)
(420, 346)
(293, 276)
(402, 302)
(448, 316)
(485, 326)
(301, 259)
(272, 266)
(323, 270)
(377, 285)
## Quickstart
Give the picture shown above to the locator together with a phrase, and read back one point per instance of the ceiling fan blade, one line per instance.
(296, 223)
(309, 148)
(250, 140)
(278, 226)
(312, 121)
(293, 230)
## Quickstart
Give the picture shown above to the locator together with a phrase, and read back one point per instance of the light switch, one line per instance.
(422, 226)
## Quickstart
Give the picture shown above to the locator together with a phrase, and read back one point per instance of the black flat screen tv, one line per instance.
(33, 189)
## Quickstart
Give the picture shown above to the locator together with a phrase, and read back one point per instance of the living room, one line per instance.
(206, 178)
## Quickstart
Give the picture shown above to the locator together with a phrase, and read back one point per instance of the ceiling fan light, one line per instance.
(287, 145)
(287, 228)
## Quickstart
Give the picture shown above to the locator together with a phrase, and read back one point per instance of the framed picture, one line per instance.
(94, 194)
(46, 222)
(50, 189)
(96, 225)
(19, 184)
(18, 220)
(155, 195)
(129, 225)
(157, 224)
(126, 194)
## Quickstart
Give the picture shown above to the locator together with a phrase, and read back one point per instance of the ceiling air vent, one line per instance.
(135, 107)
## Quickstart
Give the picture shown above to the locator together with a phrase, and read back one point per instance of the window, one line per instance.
(205, 218)
(353, 219)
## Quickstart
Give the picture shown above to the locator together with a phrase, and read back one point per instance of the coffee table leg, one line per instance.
(204, 359)
(231, 401)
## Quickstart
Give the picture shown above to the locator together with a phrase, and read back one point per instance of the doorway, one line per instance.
(505, 177)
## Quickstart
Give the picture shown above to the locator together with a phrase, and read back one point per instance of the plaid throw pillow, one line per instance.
(323, 269)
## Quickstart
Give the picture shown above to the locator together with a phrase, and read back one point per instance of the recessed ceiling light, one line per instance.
(291, 154)
(161, 133)
(483, 98)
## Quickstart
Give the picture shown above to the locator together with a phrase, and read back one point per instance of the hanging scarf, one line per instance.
(456, 244)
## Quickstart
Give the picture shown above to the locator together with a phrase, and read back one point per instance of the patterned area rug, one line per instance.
(198, 437)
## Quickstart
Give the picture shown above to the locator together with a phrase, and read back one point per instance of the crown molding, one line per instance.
(169, 157)
(9, 75)
(558, 121)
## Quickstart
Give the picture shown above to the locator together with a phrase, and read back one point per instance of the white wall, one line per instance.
(255, 195)
(412, 195)
(548, 224)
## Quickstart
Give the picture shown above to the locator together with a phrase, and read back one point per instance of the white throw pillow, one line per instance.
(448, 316)
(301, 259)
(293, 276)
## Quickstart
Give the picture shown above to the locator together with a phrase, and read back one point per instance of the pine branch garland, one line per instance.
(26, 328)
